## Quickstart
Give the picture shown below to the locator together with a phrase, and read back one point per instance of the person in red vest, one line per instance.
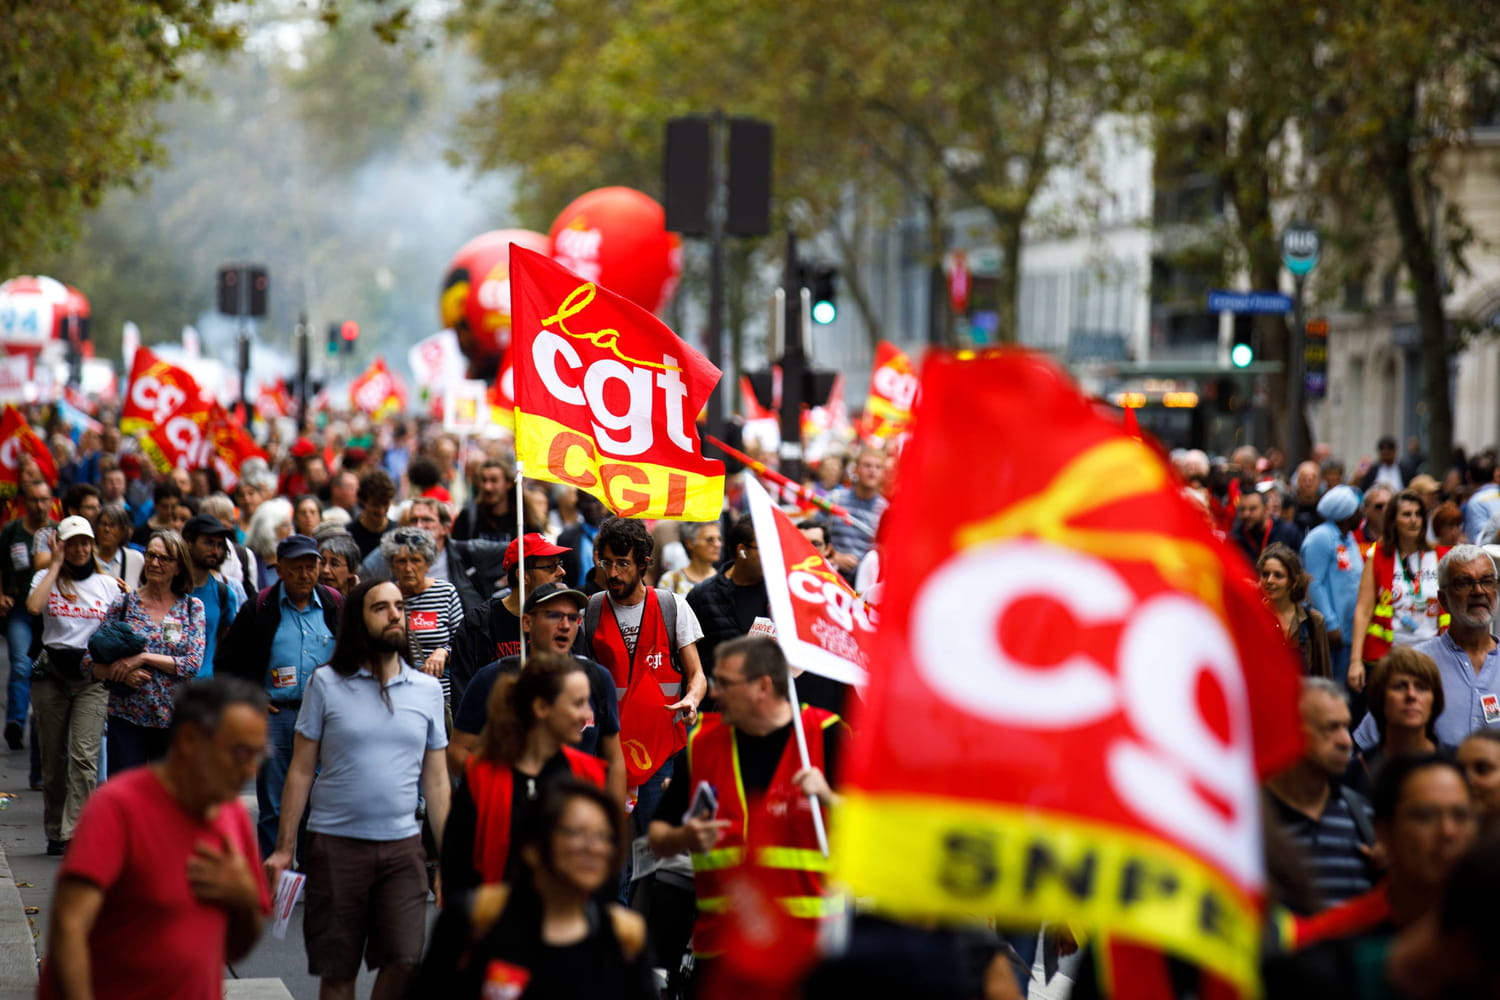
(1398, 593)
(646, 637)
(763, 826)
(535, 718)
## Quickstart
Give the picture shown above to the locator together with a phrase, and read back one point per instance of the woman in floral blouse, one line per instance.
(172, 623)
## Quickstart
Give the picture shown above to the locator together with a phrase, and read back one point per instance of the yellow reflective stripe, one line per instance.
(724, 857)
(1384, 610)
(812, 907)
(794, 858)
(806, 907)
(1381, 633)
(1444, 620)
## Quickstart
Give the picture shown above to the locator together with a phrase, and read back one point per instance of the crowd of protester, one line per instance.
(436, 711)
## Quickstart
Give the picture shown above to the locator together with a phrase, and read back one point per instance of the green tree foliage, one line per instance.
(875, 104)
(322, 162)
(82, 82)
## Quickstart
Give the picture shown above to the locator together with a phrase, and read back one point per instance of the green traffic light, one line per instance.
(1241, 355)
(824, 312)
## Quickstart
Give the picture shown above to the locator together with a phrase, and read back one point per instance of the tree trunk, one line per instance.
(1422, 265)
(1008, 285)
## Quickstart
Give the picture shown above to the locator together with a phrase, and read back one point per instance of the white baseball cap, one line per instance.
(73, 526)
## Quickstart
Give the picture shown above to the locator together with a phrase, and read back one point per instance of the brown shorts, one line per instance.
(364, 897)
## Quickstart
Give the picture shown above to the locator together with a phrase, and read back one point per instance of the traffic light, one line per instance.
(823, 283)
(333, 339)
(1242, 352)
(350, 334)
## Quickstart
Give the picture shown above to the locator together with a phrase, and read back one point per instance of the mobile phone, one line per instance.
(705, 804)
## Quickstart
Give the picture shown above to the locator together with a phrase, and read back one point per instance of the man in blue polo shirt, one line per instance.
(276, 642)
(371, 728)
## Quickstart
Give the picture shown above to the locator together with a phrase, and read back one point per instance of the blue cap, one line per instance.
(295, 547)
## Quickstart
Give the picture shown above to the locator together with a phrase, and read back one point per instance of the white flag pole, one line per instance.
(520, 554)
(817, 811)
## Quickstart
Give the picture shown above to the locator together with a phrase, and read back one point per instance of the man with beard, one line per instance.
(1255, 528)
(490, 515)
(371, 729)
(647, 639)
(208, 544)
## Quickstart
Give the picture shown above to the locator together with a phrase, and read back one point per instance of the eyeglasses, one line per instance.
(548, 567)
(160, 557)
(619, 564)
(586, 838)
(246, 755)
(1463, 584)
(572, 618)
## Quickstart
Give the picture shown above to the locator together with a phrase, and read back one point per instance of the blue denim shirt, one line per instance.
(301, 645)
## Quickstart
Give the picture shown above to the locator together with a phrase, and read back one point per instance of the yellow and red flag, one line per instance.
(1074, 692)
(167, 410)
(229, 446)
(606, 397)
(378, 391)
(18, 440)
(894, 390)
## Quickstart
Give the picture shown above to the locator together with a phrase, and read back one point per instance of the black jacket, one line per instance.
(721, 616)
(246, 651)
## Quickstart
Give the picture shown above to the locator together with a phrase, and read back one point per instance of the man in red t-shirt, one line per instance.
(155, 892)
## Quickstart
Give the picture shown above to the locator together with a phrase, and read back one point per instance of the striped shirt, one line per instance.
(432, 617)
(1330, 844)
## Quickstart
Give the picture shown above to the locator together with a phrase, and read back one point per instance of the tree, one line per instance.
(82, 82)
(964, 100)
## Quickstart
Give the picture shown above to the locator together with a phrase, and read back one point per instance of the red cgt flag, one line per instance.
(894, 390)
(160, 392)
(17, 439)
(1074, 691)
(607, 396)
(821, 623)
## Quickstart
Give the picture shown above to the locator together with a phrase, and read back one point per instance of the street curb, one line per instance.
(18, 963)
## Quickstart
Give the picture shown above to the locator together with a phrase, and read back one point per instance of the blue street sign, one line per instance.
(1249, 302)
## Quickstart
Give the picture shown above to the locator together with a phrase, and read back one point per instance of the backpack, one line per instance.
(664, 600)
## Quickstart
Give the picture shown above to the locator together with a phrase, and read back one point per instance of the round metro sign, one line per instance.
(1300, 246)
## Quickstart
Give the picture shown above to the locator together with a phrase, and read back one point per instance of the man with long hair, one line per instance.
(371, 728)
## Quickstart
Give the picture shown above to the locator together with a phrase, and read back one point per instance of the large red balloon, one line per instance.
(475, 302)
(617, 238)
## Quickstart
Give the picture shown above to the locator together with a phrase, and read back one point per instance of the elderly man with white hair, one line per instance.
(1330, 554)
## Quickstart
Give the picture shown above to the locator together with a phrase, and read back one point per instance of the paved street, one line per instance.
(284, 961)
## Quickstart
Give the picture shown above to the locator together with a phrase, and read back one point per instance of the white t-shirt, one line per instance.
(68, 624)
(1414, 615)
(629, 618)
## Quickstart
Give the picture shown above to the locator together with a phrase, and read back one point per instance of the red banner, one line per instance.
(167, 410)
(228, 446)
(1074, 692)
(894, 390)
(378, 391)
(606, 397)
(18, 440)
(158, 393)
(820, 621)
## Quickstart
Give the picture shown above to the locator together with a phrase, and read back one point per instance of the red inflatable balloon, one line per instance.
(475, 302)
(617, 237)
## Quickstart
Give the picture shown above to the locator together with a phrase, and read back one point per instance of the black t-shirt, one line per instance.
(750, 603)
(759, 757)
(488, 633)
(367, 540)
(474, 708)
(825, 693)
(459, 872)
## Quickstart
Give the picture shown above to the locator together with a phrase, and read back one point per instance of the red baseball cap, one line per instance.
(303, 448)
(536, 545)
